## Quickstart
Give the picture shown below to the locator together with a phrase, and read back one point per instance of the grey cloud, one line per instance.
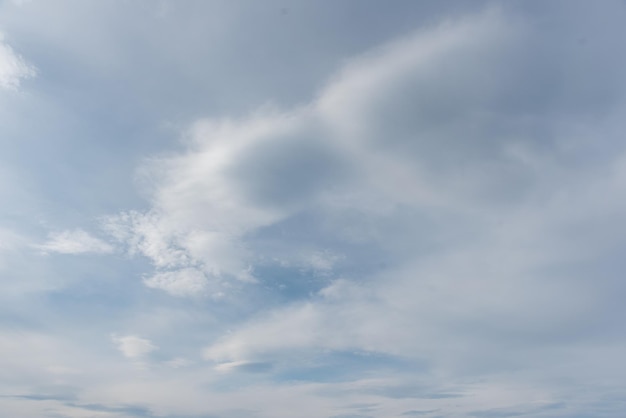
(419, 413)
(515, 412)
(351, 416)
(42, 397)
(458, 124)
(414, 391)
(289, 171)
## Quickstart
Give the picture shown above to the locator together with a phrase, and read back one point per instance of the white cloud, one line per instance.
(230, 366)
(13, 68)
(291, 328)
(341, 154)
(133, 347)
(178, 362)
(208, 199)
(417, 156)
(184, 282)
(75, 242)
(484, 209)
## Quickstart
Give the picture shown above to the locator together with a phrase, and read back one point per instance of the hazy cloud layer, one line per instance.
(75, 242)
(434, 228)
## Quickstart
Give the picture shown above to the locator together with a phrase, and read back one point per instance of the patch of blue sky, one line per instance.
(283, 284)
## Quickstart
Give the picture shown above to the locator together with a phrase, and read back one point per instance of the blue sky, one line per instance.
(351, 209)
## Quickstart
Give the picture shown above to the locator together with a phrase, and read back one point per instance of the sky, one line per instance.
(312, 209)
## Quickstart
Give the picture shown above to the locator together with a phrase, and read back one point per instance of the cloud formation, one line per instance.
(435, 231)
(133, 347)
(75, 242)
(13, 68)
(446, 181)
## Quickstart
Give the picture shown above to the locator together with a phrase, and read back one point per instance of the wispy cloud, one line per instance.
(13, 68)
(75, 242)
(186, 282)
(133, 347)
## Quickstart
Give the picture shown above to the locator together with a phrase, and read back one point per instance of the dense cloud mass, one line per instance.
(423, 217)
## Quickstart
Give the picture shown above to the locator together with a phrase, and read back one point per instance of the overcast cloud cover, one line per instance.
(347, 209)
